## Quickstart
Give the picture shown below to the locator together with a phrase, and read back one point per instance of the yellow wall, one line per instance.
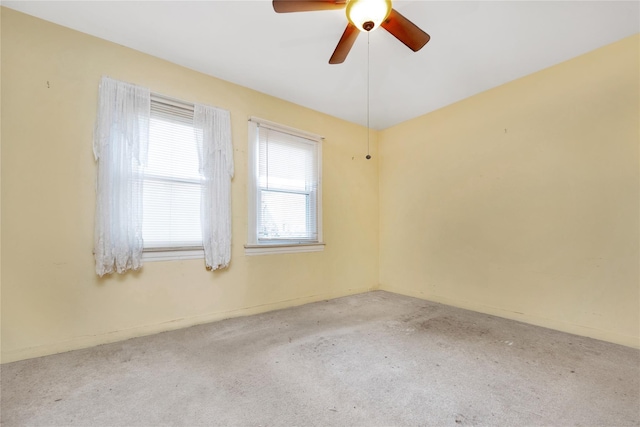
(51, 298)
(522, 201)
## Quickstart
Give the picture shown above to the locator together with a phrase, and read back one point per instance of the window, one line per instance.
(175, 183)
(164, 171)
(285, 189)
(172, 184)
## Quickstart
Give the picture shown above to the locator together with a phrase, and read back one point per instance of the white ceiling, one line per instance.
(475, 45)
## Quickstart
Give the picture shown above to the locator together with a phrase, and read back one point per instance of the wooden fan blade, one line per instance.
(405, 31)
(344, 45)
(287, 6)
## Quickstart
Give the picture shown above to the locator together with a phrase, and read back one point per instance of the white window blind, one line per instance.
(172, 182)
(287, 187)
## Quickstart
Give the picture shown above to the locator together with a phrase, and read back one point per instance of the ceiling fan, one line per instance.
(363, 15)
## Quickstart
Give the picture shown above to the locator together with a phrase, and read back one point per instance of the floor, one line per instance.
(374, 359)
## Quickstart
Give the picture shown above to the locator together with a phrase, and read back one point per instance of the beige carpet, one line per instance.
(374, 359)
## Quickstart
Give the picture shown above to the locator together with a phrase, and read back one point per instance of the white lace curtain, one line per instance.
(215, 151)
(120, 148)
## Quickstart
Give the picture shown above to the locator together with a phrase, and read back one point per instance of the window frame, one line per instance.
(254, 246)
(174, 252)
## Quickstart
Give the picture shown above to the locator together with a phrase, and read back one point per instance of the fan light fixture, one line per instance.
(367, 15)
(363, 15)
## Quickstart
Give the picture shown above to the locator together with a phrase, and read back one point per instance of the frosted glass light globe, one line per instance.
(367, 15)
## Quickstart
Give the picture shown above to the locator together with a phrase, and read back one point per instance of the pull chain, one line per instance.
(368, 84)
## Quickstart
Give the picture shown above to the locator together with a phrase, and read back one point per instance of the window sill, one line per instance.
(251, 250)
(172, 254)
